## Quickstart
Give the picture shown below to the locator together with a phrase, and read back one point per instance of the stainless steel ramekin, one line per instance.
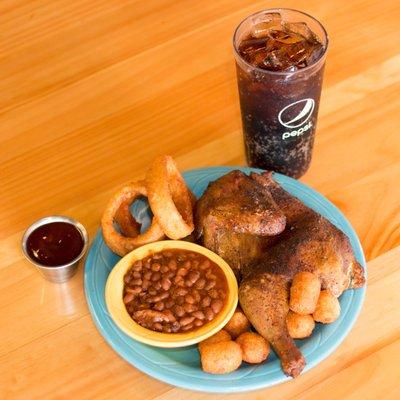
(58, 273)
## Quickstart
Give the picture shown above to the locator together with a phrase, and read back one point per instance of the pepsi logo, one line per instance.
(297, 113)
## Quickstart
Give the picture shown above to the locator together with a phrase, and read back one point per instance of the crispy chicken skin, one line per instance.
(309, 242)
(234, 216)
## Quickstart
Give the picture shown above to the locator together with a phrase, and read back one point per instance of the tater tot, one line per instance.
(255, 349)
(328, 308)
(221, 336)
(237, 324)
(299, 326)
(304, 293)
(220, 358)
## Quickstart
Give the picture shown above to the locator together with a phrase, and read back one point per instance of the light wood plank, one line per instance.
(91, 91)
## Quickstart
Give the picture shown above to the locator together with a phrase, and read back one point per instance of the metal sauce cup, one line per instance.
(58, 273)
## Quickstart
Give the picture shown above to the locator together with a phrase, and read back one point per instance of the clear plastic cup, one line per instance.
(279, 107)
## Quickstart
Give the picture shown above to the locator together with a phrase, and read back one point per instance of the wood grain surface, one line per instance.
(92, 90)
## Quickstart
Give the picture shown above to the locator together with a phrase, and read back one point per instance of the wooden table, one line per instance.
(92, 90)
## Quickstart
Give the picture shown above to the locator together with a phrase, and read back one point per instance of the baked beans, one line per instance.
(174, 291)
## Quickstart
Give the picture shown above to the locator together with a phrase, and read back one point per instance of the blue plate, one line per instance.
(181, 367)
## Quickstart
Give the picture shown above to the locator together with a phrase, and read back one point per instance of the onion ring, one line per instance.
(127, 223)
(119, 244)
(169, 198)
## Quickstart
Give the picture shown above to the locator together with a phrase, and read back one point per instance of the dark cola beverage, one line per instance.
(280, 56)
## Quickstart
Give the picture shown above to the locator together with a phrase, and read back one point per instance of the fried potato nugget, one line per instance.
(299, 326)
(220, 358)
(304, 293)
(221, 336)
(237, 324)
(255, 349)
(328, 308)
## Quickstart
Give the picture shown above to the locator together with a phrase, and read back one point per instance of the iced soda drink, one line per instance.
(280, 56)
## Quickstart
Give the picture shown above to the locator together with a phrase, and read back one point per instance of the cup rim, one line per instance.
(280, 73)
(46, 220)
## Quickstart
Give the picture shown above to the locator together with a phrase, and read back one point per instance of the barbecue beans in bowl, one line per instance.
(171, 293)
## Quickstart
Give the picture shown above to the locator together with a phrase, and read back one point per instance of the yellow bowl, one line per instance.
(118, 312)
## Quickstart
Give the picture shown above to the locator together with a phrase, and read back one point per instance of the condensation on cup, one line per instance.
(280, 57)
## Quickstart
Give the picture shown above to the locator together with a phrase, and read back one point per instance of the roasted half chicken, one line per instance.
(267, 236)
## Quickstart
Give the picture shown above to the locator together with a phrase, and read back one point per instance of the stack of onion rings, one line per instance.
(170, 201)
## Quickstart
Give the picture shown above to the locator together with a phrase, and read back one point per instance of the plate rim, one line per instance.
(149, 370)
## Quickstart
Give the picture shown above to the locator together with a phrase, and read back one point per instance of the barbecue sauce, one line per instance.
(53, 244)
